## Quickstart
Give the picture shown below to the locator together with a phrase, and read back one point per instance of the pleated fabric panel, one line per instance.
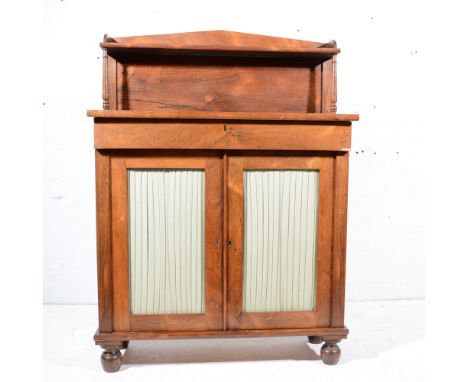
(166, 241)
(280, 234)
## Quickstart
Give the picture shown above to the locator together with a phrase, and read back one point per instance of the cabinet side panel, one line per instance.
(103, 237)
(119, 242)
(340, 207)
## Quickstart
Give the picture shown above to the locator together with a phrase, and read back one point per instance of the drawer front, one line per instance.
(222, 136)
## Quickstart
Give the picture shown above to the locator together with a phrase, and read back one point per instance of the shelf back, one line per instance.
(228, 78)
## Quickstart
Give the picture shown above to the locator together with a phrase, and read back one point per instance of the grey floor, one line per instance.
(385, 344)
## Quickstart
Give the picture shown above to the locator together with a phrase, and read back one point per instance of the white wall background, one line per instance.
(382, 75)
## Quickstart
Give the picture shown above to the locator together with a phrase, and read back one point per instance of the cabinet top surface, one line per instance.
(219, 41)
(260, 116)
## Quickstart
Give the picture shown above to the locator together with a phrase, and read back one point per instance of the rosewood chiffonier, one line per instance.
(221, 187)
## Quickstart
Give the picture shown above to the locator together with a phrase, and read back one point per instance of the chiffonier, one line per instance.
(221, 187)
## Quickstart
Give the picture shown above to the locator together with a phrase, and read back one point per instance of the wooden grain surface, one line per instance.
(104, 242)
(225, 238)
(340, 213)
(227, 136)
(232, 96)
(221, 115)
(151, 335)
(225, 41)
(328, 86)
(112, 82)
(120, 267)
(235, 207)
(213, 317)
(202, 84)
(320, 317)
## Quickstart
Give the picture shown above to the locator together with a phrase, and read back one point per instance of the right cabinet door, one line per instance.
(280, 212)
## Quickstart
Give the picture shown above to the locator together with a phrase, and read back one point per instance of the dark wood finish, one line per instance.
(225, 239)
(121, 345)
(218, 136)
(219, 71)
(221, 101)
(120, 243)
(320, 317)
(209, 84)
(315, 339)
(115, 337)
(330, 352)
(340, 212)
(124, 345)
(103, 239)
(111, 359)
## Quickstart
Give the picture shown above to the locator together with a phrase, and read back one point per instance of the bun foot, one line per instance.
(315, 339)
(330, 352)
(111, 359)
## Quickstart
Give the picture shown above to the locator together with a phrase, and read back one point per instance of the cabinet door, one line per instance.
(280, 242)
(166, 243)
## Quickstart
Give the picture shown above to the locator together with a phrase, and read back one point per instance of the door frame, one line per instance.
(212, 319)
(321, 315)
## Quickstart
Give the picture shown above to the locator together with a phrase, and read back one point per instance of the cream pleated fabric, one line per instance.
(166, 241)
(280, 231)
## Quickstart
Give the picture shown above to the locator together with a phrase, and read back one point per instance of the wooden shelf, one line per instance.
(151, 49)
(221, 42)
(257, 116)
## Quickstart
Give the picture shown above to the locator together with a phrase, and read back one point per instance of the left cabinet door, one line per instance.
(166, 243)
